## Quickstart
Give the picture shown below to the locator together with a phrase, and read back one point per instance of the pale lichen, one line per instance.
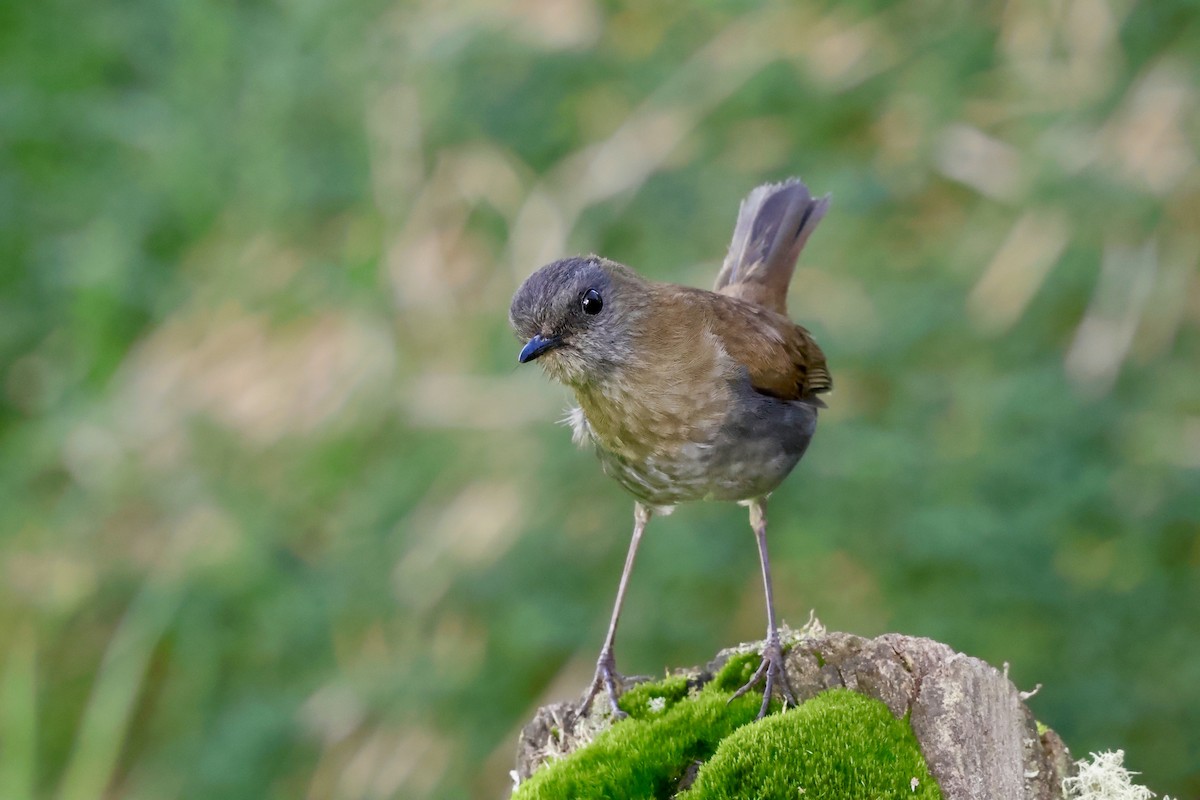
(1104, 777)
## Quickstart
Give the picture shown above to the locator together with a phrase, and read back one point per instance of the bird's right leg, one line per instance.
(772, 667)
(607, 676)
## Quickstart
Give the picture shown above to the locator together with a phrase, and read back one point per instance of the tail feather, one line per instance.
(773, 224)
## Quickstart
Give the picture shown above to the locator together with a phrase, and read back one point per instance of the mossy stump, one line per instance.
(890, 717)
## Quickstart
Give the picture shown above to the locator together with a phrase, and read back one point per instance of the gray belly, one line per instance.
(747, 457)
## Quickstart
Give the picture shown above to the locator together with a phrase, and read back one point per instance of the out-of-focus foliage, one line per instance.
(280, 518)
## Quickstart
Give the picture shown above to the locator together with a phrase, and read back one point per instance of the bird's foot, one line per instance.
(772, 670)
(607, 678)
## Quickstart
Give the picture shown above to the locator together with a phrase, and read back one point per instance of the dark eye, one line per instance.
(591, 302)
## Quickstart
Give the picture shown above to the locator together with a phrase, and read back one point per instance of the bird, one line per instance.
(687, 394)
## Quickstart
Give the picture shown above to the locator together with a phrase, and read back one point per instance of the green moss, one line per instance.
(651, 699)
(646, 756)
(837, 745)
(840, 744)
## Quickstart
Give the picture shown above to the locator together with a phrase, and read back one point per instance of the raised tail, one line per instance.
(773, 224)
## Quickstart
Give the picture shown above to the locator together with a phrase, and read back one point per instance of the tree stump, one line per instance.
(979, 739)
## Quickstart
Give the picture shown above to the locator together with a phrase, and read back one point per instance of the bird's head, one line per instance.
(578, 318)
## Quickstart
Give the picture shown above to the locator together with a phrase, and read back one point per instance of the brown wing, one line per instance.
(783, 359)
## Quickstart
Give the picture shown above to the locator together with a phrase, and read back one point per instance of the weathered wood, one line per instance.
(978, 737)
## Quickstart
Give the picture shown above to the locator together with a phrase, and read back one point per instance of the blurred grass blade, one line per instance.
(18, 719)
(102, 731)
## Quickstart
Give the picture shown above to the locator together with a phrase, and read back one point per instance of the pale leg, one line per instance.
(772, 652)
(606, 666)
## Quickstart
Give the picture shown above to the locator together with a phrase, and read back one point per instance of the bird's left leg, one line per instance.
(772, 652)
(606, 666)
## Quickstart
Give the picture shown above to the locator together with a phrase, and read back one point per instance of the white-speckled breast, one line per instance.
(744, 452)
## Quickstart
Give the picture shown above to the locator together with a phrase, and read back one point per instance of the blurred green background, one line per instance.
(280, 518)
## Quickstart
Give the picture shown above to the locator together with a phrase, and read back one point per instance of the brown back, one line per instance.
(782, 358)
(774, 222)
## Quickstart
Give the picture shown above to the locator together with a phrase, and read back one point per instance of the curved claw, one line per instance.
(776, 678)
(608, 678)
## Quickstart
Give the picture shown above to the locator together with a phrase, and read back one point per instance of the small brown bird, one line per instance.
(687, 394)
